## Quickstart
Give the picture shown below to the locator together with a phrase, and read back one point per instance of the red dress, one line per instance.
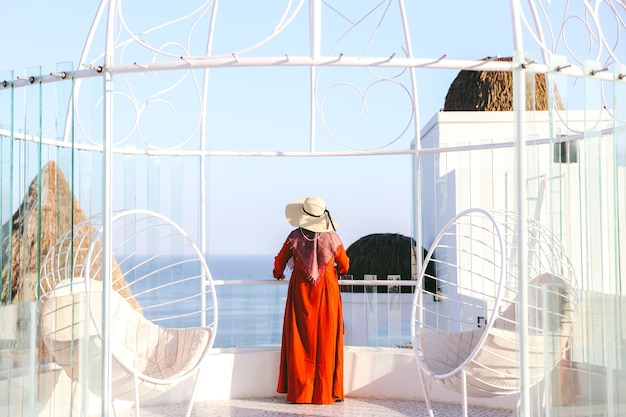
(311, 357)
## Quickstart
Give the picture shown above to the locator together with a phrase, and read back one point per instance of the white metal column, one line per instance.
(519, 107)
(107, 209)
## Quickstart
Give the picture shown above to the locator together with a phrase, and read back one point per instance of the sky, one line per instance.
(265, 112)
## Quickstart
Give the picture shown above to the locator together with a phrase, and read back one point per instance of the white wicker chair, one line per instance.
(465, 328)
(163, 308)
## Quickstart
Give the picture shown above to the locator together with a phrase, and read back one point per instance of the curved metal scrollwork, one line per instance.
(359, 36)
(185, 35)
(578, 29)
(584, 33)
(200, 34)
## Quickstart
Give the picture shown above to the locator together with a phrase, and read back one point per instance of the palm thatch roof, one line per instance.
(382, 254)
(493, 91)
(33, 230)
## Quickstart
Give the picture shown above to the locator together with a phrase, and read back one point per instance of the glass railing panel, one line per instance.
(535, 116)
(70, 332)
(26, 165)
(167, 184)
(593, 217)
(19, 365)
(87, 118)
(7, 144)
(62, 117)
(589, 379)
(619, 184)
(153, 181)
(36, 208)
(6, 102)
(586, 209)
(27, 109)
(251, 303)
(251, 313)
(377, 319)
(177, 190)
(562, 153)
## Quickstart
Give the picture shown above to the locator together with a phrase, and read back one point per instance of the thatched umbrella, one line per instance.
(493, 91)
(383, 254)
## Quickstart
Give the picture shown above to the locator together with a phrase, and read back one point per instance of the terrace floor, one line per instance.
(352, 407)
(277, 407)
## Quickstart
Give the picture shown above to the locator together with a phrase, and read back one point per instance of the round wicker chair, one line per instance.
(162, 306)
(466, 334)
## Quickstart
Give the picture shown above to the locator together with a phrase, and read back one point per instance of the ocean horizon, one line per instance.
(248, 315)
(241, 266)
(252, 315)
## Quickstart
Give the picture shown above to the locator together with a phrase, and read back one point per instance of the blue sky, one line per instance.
(366, 194)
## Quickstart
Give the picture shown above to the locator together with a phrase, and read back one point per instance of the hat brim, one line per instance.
(298, 218)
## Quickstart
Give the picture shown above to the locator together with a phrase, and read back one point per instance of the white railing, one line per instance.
(251, 312)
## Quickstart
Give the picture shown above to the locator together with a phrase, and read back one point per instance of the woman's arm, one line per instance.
(342, 261)
(280, 260)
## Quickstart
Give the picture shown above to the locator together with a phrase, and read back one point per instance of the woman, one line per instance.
(311, 357)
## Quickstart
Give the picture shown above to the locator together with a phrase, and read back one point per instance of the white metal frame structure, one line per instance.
(126, 52)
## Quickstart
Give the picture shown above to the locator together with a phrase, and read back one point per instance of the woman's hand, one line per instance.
(278, 277)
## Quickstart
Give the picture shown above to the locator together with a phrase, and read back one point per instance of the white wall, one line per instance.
(388, 373)
(564, 197)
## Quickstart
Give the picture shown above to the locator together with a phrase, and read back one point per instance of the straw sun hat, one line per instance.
(310, 213)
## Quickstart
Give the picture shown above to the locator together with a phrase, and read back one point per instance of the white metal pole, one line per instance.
(315, 22)
(417, 179)
(519, 106)
(83, 58)
(203, 122)
(107, 209)
(304, 61)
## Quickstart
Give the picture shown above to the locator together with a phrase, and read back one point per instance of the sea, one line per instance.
(252, 315)
(251, 306)
(248, 267)
(249, 315)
